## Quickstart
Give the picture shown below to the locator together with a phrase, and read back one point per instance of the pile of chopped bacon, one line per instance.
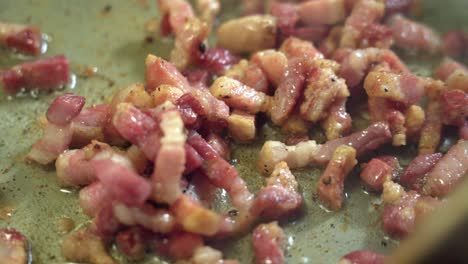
(150, 161)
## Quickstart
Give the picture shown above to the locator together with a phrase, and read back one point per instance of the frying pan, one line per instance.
(110, 36)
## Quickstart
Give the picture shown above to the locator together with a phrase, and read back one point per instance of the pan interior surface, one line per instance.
(110, 37)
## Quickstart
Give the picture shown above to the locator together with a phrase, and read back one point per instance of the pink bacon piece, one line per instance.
(217, 60)
(180, 245)
(280, 197)
(222, 174)
(14, 247)
(378, 171)
(455, 107)
(455, 43)
(273, 63)
(22, 38)
(58, 132)
(92, 197)
(160, 71)
(268, 243)
(174, 14)
(293, 47)
(418, 169)
(413, 35)
(170, 160)
(447, 68)
(338, 122)
(158, 220)
(288, 92)
(286, 15)
(362, 257)
(448, 172)
(363, 141)
(44, 74)
(123, 184)
(220, 145)
(89, 125)
(331, 183)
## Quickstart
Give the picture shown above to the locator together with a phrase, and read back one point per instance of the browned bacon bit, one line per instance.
(159, 71)
(413, 35)
(132, 242)
(362, 257)
(331, 183)
(364, 14)
(296, 125)
(195, 218)
(273, 63)
(88, 125)
(21, 38)
(323, 86)
(174, 14)
(297, 156)
(221, 173)
(338, 122)
(455, 43)
(294, 47)
(280, 196)
(331, 43)
(403, 211)
(432, 128)
(14, 247)
(288, 92)
(170, 160)
(45, 74)
(58, 132)
(241, 126)
(321, 12)
(363, 141)
(417, 170)
(84, 246)
(448, 172)
(447, 68)
(378, 171)
(414, 120)
(240, 96)
(458, 80)
(217, 60)
(255, 77)
(248, 34)
(268, 242)
(155, 219)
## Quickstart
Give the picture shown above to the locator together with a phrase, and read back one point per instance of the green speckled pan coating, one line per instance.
(114, 43)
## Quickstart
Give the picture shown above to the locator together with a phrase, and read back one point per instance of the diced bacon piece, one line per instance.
(364, 13)
(181, 245)
(240, 96)
(187, 43)
(14, 247)
(297, 156)
(64, 108)
(403, 211)
(177, 12)
(207, 106)
(418, 168)
(197, 79)
(413, 35)
(448, 172)
(321, 12)
(414, 120)
(458, 81)
(45, 74)
(89, 125)
(455, 107)
(273, 63)
(241, 126)
(293, 47)
(331, 43)
(220, 145)
(160, 71)
(195, 218)
(131, 242)
(248, 34)
(164, 93)
(268, 242)
(354, 66)
(376, 35)
(123, 184)
(104, 223)
(286, 15)
(193, 159)
(447, 68)
(280, 197)
(138, 128)
(255, 77)
(295, 125)
(217, 60)
(362, 257)
(323, 86)
(288, 92)
(455, 43)
(170, 160)
(208, 10)
(21, 38)
(375, 174)
(74, 167)
(396, 121)
(221, 173)
(58, 132)
(92, 197)
(338, 122)
(331, 183)
(432, 128)
(363, 141)
(155, 219)
(84, 246)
